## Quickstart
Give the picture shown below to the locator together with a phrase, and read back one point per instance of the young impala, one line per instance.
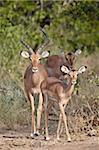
(34, 75)
(57, 91)
(54, 63)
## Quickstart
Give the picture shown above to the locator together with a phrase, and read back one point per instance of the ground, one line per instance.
(20, 140)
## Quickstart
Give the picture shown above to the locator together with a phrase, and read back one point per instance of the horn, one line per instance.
(27, 46)
(46, 41)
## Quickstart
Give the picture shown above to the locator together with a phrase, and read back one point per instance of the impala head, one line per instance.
(35, 55)
(70, 58)
(35, 58)
(73, 73)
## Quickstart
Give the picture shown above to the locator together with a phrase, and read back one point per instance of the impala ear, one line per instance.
(82, 69)
(78, 52)
(44, 54)
(65, 69)
(24, 54)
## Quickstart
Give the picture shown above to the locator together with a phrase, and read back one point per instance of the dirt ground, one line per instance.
(20, 140)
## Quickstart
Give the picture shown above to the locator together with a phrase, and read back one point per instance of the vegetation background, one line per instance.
(70, 25)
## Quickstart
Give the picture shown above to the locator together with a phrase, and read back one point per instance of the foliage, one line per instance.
(69, 27)
(13, 107)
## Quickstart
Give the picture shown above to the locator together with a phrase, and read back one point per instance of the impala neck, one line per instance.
(70, 87)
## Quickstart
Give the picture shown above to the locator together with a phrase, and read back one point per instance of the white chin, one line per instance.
(74, 82)
(34, 70)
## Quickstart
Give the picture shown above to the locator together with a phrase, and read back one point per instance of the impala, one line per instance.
(34, 75)
(54, 63)
(54, 89)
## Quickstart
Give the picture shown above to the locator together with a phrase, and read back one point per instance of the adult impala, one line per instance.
(34, 75)
(57, 91)
(54, 63)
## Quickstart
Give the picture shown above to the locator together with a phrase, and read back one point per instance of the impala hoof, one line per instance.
(69, 140)
(32, 135)
(36, 134)
(47, 138)
(58, 139)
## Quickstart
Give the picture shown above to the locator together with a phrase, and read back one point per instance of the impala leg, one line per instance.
(46, 125)
(33, 127)
(59, 124)
(39, 112)
(65, 121)
(47, 107)
(46, 116)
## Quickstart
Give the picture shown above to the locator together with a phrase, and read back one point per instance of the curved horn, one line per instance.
(26, 45)
(46, 40)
